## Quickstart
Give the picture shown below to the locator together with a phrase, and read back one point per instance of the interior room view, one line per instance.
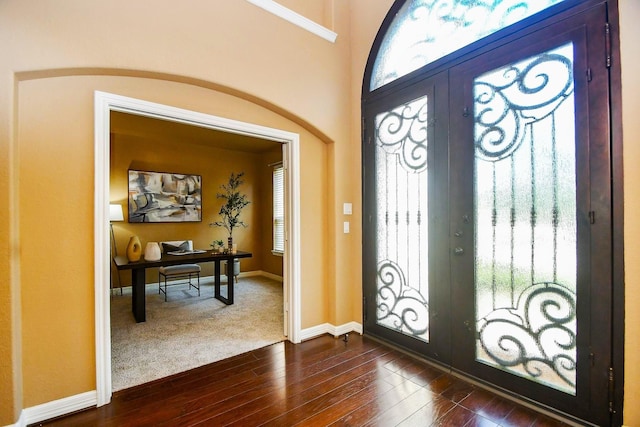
(143, 144)
(456, 239)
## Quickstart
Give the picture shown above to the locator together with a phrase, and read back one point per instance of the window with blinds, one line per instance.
(278, 210)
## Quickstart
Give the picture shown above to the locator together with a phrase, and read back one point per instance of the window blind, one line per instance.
(278, 209)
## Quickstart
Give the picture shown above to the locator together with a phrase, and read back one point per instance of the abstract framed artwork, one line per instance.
(164, 197)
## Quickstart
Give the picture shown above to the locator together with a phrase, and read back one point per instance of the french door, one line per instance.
(403, 252)
(488, 239)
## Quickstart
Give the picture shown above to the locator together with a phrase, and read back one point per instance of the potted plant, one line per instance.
(217, 245)
(234, 203)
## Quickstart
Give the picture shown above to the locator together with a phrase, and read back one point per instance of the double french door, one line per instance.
(488, 217)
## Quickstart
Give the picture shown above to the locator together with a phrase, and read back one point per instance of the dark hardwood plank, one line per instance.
(478, 421)
(330, 396)
(335, 412)
(519, 417)
(497, 410)
(477, 400)
(405, 408)
(366, 412)
(321, 382)
(458, 391)
(458, 416)
(315, 386)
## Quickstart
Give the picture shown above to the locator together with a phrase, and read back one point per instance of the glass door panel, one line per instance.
(402, 298)
(407, 199)
(525, 219)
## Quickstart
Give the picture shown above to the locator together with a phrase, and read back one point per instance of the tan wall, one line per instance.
(630, 35)
(242, 63)
(288, 79)
(319, 11)
(55, 177)
(365, 20)
(214, 166)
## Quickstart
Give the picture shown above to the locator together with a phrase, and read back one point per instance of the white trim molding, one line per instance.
(327, 328)
(296, 19)
(104, 103)
(57, 408)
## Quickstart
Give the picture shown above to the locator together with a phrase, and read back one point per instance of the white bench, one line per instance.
(177, 272)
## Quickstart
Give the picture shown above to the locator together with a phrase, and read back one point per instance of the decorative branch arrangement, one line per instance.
(235, 202)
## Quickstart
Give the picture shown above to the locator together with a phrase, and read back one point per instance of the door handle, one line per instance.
(458, 251)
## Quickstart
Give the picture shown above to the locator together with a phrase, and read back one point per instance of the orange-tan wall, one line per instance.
(630, 60)
(214, 166)
(55, 56)
(226, 58)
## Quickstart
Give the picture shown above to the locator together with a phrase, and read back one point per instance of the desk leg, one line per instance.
(230, 280)
(216, 278)
(229, 299)
(138, 294)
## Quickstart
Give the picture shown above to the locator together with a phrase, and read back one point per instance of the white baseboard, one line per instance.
(57, 408)
(20, 423)
(264, 274)
(327, 328)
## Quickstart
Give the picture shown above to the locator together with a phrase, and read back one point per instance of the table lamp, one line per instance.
(115, 215)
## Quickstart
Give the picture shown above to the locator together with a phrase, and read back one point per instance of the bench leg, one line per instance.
(188, 276)
(165, 288)
(191, 283)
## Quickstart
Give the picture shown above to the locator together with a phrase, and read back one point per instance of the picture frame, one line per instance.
(164, 197)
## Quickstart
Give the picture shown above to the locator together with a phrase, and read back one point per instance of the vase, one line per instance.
(229, 244)
(236, 269)
(152, 251)
(134, 249)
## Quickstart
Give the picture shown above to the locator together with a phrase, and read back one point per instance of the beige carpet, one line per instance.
(189, 331)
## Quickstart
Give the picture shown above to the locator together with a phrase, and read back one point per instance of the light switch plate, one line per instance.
(346, 227)
(347, 208)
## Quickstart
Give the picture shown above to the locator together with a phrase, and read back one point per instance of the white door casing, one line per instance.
(104, 103)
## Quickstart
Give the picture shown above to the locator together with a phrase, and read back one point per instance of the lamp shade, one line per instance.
(115, 213)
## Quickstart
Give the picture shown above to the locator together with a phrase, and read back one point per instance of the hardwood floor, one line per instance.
(321, 382)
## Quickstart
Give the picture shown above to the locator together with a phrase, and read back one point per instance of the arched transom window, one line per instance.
(426, 30)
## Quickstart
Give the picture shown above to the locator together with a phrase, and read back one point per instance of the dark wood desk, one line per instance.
(138, 278)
